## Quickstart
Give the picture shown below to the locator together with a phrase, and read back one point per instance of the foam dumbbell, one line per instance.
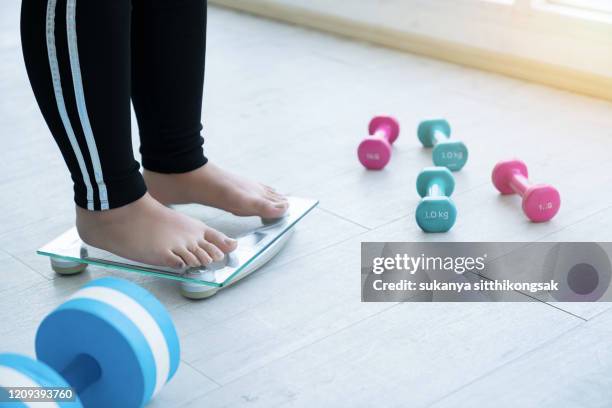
(112, 342)
(541, 202)
(374, 151)
(449, 153)
(436, 212)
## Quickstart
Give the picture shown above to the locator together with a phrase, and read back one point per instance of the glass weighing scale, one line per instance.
(257, 244)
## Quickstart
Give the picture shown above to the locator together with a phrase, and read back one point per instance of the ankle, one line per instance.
(172, 188)
(114, 215)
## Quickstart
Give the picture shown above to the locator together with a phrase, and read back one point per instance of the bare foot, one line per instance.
(212, 186)
(146, 231)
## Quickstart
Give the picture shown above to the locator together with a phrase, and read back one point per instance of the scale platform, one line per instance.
(258, 242)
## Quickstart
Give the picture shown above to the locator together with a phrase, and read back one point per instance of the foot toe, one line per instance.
(173, 261)
(215, 253)
(187, 257)
(274, 196)
(202, 255)
(220, 240)
(271, 209)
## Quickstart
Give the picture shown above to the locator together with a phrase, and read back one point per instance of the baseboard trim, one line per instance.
(535, 71)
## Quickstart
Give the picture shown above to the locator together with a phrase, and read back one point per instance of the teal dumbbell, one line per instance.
(449, 153)
(436, 212)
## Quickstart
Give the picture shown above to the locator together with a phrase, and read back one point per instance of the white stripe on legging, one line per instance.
(79, 94)
(142, 319)
(9, 377)
(59, 98)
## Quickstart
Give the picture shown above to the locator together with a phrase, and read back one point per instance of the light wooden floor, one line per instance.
(288, 106)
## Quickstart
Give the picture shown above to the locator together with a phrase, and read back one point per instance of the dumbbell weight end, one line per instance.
(452, 154)
(374, 152)
(541, 202)
(431, 132)
(112, 341)
(385, 126)
(18, 371)
(436, 212)
(78, 375)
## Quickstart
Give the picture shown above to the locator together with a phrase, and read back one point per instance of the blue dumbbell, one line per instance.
(436, 212)
(112, 341)
(448, 153)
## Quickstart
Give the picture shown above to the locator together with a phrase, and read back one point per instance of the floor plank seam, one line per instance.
(313, 252)
(300, 257)
(302, 347)
(3, 234)
(29, 267)
(534, 298)
(596, 315)
(202, 374)
(565, 311)
(576, 222)
(491, 371)
(330, 212)
(227, 316)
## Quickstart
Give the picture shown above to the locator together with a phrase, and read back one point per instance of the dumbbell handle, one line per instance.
(81, 372)
(383, 131)
(437, 135)
(435, 189)
(519, 184)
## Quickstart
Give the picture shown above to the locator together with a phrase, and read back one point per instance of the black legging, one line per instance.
(86, 59)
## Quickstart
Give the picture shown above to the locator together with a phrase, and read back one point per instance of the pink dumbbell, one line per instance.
(541, 202)
(375, 150)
